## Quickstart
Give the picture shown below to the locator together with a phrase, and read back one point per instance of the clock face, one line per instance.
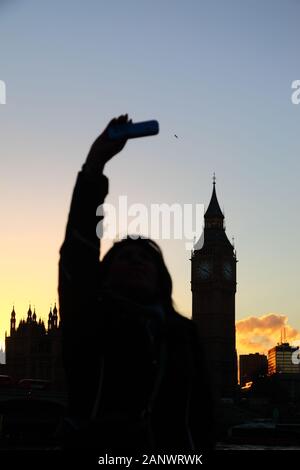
(227, 271)
(204, 270)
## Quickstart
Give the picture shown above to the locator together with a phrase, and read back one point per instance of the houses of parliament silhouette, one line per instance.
(35, 351)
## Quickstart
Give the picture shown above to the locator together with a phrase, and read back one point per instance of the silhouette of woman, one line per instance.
(134, 366)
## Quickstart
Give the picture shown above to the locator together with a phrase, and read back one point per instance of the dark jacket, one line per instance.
(109, 369)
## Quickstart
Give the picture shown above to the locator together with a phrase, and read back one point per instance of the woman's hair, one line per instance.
(164, 278)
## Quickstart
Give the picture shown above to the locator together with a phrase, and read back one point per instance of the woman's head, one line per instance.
(135, 268)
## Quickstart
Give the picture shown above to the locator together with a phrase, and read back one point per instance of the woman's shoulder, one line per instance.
(182, 321)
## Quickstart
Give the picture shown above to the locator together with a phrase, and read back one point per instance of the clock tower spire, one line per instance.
(213, 286)
(214, 217)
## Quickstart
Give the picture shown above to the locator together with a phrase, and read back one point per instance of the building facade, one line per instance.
(252, 366)
(280, 360)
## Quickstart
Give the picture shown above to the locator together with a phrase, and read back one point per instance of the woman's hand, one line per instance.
(103, 149)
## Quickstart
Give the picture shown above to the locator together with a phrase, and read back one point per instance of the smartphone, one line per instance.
(131, 130)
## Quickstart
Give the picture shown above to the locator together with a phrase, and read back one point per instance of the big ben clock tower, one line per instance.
(213, 289)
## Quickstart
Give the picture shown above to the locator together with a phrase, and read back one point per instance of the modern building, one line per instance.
(280, 360)
(252, 366)
(213, 284)
(33, 351)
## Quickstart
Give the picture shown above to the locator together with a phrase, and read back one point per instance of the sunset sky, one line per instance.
(218, 75)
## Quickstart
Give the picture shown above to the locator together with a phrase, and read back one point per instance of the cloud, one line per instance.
(259, 334)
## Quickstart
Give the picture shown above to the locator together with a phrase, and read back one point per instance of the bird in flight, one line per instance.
(176, 136)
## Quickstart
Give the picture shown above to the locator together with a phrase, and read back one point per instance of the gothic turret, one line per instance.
(54, 317)
(13, 321)
(50, 320)
(34, 316)
(29, 315)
